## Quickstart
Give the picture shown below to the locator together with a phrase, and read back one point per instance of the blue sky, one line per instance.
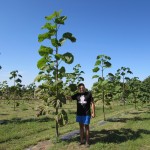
(117, 28)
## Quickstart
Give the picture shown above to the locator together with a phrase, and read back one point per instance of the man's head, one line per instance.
(81, 88)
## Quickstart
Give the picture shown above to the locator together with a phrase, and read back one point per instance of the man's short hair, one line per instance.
(81, 84)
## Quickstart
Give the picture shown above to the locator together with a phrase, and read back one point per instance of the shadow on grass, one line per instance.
(20, 120)
(127, 119)
(4, 114)
(116, 136)
(135, 113)
(140, 112)
(112, 136)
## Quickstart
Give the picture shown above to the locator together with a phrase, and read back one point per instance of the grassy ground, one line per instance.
(128, 132)
(22, 129)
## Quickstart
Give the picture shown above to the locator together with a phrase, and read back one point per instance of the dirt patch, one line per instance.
(43, 145)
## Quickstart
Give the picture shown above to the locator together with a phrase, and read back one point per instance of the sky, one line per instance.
(119, 29)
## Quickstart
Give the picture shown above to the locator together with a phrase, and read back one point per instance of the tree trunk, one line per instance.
(103, 105)
(14, 104)
(57, 134)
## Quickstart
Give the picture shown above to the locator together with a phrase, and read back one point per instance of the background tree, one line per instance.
(28, 91)
(4, 91)
(145, 91)
(134, 86)
(122, 76)
(15, 90)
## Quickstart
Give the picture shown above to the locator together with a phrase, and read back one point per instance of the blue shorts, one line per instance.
(83, 119)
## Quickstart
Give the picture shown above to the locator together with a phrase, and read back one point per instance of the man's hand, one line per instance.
(93, 115)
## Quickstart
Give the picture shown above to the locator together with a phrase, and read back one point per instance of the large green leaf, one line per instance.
(95, 76)
(64, 118)
(98, 62)
(68, 58)
(96, 69)
(107, 57)
(118, 70)
(123, 68)
(49, 26)
(81, 78)
(122, 73)
(104, 82)
(99, 56)
(20, 75)
(18, 80)
(62, 70)
(58, 56)
(81, 72)
(41, 63)
(60, 20)
(130, 72)
(55, 42)
(52, 33)
(73, 87)
(52, 16)
(110, 74)
(44, 51)
(69, 36)
(39, 77)
(127, 78)
(62, 40)
(107, 64)
(58, 82)
(101, 79)
(44, 36)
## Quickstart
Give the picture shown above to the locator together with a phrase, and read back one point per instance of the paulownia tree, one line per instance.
(4, 91)
(122, 76)
(15, 90)
(28, 92)
(134, 87)
(145, 91)
(52, 73)
(102, 63)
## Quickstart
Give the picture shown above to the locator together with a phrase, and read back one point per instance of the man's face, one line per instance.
(81, 89)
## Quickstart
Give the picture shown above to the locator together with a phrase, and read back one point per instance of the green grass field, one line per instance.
(128, 129)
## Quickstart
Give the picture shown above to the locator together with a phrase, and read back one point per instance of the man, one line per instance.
(84, 113)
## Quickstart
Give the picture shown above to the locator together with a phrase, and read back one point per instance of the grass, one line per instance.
(22, 129)
(128, 132)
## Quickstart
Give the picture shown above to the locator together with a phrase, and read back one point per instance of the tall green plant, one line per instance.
(101, 64)
(52, 74)
(122, 76)
(16, 88)
(4, 91)
(134, 87)
(28, 92)
(145, 90)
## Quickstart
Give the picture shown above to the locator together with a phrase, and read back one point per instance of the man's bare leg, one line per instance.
(87, 131)
(81, 132)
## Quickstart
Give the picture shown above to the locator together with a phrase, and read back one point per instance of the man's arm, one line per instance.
(74, 97)
(93, 109)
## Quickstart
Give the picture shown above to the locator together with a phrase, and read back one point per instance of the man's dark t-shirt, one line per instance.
(83, 103)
